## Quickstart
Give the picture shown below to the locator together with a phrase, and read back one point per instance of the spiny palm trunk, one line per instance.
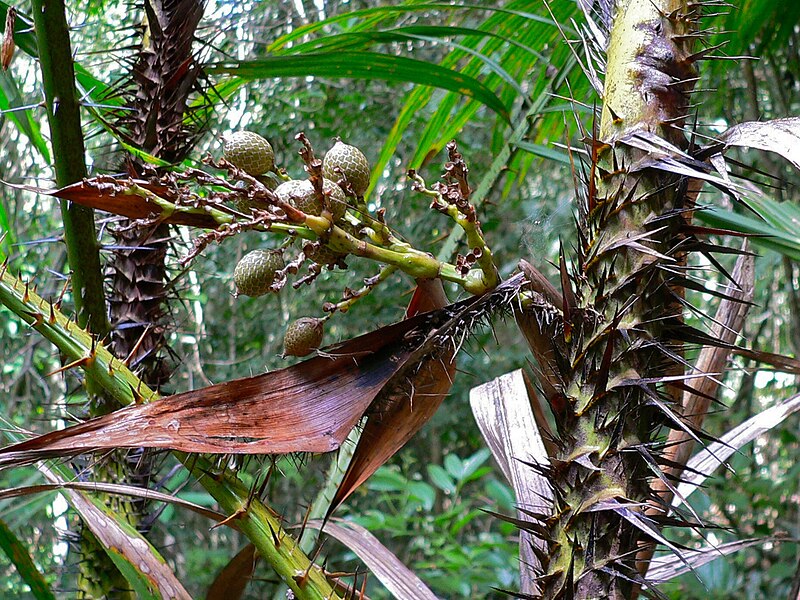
(619, 327)
(163, 76)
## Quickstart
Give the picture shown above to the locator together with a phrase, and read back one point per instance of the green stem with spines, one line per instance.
(258, 521)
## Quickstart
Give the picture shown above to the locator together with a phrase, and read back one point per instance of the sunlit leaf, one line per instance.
(363, 65)
(779, 235)
(10, 100)
(502, 411)
(781, 136)
(670, 566)
(138, 561)
(705, 462)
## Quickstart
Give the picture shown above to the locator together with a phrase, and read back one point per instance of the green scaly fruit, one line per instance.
(353, 164)
(301, 195)
(255, 273)
(269, 182)
(303, 336)
(245, 205)
(248, 151)
(324, 256)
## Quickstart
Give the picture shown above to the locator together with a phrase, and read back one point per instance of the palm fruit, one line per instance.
(324, 255)
(248, 151)
(303, 336)
(353, 164)
(301, 195)
(255, 273)
(246, 205)
(268, 181)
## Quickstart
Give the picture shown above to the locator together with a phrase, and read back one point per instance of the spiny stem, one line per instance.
(258, 522)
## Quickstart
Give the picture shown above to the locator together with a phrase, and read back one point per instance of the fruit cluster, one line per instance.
(345, 172)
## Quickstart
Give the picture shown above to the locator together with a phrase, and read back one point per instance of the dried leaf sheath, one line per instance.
(308, 407)
(402, 412)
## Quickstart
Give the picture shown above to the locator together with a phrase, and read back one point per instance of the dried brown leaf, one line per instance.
(231, 581)
(401, 415)
(7, 46)
(308, 407)
(105, 197)
(503, 413)
(401, 582)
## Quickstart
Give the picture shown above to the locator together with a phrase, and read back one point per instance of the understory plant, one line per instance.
(598, 449)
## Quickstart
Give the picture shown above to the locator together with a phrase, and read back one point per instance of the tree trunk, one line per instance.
(617, 330)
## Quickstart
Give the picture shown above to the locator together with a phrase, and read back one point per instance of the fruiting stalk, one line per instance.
(403, 256)
(471, 227)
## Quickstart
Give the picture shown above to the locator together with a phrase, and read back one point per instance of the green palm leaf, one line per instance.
(364, 65)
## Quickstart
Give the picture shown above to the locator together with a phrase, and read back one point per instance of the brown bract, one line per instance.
(93, 194)
(405, 410)
(308, 407)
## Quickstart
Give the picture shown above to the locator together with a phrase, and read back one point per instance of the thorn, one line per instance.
(305, 522)
(240, 512)
(63, 291)
(614, 116)
(704, 53)
(38, 318)
(689, 80)
(276, 541)
(134, 350)
(75, 363)
(568, 297)
(138, 398)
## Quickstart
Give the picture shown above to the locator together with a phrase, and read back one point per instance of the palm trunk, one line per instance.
(164, 74)
(97, 574)
(618, 328)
